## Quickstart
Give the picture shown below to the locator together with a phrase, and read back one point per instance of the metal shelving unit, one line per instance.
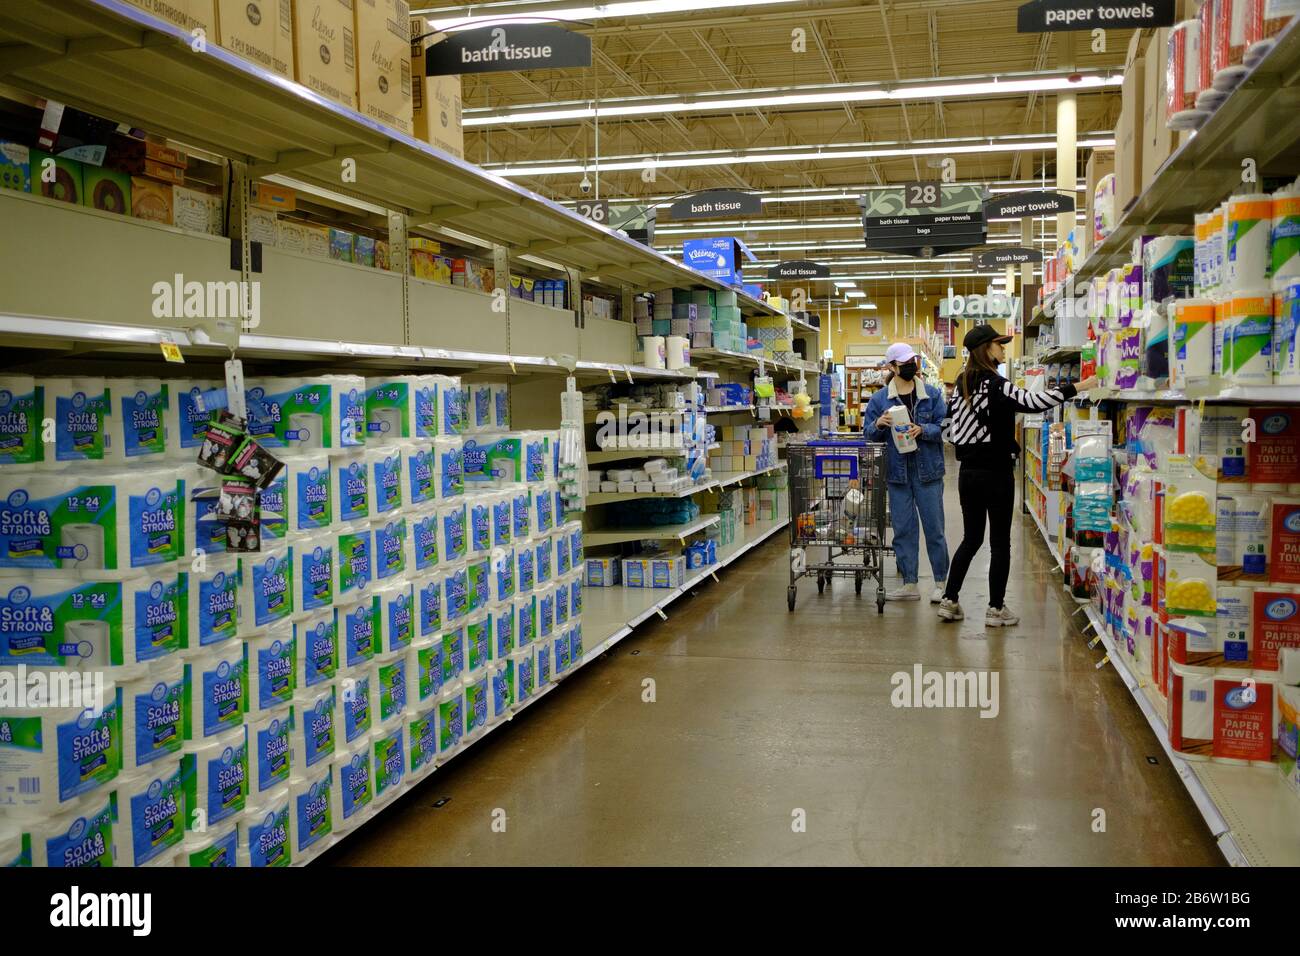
(666, 532)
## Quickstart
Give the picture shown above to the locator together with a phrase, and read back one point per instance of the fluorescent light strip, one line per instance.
(826, 96)
(830, 194)
(769, 225)
(828, 153)
(482, 13)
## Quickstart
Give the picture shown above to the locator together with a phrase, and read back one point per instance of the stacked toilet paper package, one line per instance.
(176, 704)
(1199, 582)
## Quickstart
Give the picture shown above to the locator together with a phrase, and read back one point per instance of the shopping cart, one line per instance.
(838, 514)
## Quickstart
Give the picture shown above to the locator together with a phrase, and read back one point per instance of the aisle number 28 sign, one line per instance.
(597, 210)
(923, 195)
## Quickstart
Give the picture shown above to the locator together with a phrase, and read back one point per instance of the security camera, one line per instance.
(585, 185)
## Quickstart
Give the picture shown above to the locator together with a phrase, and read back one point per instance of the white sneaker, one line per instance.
(937, 594)
(1000, 617)
(950, 610)
(908, 592)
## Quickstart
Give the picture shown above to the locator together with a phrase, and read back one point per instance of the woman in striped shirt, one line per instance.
(984, 408)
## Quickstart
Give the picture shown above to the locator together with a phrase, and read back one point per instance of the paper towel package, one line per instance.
(353, 562)
(316, 641)
(216, 688)
(327, 412)
(217, 777)
(359, 633)
(422, 741)
(187, 417)
(266, 831)
(140, 417)
(353, 489)
(390, 549)
(390, 689)
(356, 690)
(453, 659)
(215, 847)
(419, 474)
(310, 493)
(150, 814)
(153, 715)
(272, 668)
(353, 784)
(449, 467)
(422, 542)
(428, 596)
(22, 410)
(389, 757)
(477, 707)
(312, 812)
(1225, 718)
(401, 407)
(424, 669)
(385, 465)
(397, 613)
(270, 745)
(266, 582)
(451, 724)
(83, 836)
(81, 409)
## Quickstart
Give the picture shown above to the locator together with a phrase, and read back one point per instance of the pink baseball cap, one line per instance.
(900, 352)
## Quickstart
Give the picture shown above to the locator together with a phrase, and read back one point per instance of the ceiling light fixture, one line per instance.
(830, 95)
(826, 153)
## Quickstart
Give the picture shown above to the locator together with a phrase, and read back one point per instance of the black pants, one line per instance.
(985, 495)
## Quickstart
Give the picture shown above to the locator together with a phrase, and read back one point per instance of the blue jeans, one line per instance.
(905, 503)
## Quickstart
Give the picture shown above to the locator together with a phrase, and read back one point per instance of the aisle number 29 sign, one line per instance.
(597, 210)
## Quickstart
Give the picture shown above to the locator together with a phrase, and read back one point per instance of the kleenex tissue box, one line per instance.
(603, 572)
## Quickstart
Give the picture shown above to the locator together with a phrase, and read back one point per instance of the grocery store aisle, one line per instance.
(759, 713)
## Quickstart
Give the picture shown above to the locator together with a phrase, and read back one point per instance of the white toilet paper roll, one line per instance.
(419, 473)
(390, 548)
(153, 715)
(150, 815)
(422, 542)
(397, 616)
(216, 683)
(353, 562)
(314, 574)
(272, 668)
(359, 632)
(312, 813)
(82, 836)
(315, 728)
(310, 496)
(352, 488)
(266, 831)
(266, 580)
(385, 465)
(220, 771)
(140, 418)
(187, 417)
(270, 749)
(22, 411)
(388, 755)
(66, 752)
(215, 847)
(81, 409)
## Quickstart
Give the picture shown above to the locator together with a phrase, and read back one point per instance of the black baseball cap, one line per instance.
(982, 334)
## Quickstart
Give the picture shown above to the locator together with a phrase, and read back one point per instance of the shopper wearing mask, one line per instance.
(914, 478)
(984, 409)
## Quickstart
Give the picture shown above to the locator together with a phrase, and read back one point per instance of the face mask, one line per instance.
(907, 372)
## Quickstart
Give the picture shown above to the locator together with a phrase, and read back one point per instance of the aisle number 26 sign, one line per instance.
(597, 210)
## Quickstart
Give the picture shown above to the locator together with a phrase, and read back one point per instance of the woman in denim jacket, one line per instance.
(915, 478)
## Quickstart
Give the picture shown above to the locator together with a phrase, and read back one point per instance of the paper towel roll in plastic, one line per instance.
(272, 669)
(270, 749)
(22, 409)
(187, 417)
(449, 465)
(451, 722)
(353, 785)
(421, 741)
(353, 492)
(1247, 238)
(84, 835)
(1184, 54)
(214, 602)
(1286, 330)
(220, 770)
(453, 536)
(81, 409)
(500, 406)
(216, 688)
(1284, 239)
(1250, 318)
(654, 351)
(311, 494)
(266, 831)
(1192, 327)
(266, 581)
(481, 410)
(68, 751)
(400, 408)
(397, 614)
(390, 548)
(314, 584)
(385, 464)
(150, 814)
(140, 418)
(313, 813)
(1228, 53)
(1242, 536)
(153, 715)
(677, 351)
(358, 633)
(353, 562)
(316, 642)
(213, 848)
(315, 727)
(453, 418)
(391, 693)
(419, 473)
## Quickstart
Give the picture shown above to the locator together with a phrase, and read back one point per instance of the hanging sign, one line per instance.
(515, 47)
(890, 222)
(1059, 16)
(1013, 256)
(799, 269)
(923, 195)
(1034, 202)
(871, 325)
(715, 203)
(597, 210)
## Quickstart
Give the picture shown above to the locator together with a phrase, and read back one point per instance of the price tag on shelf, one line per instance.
(171, 352)
(1094, 642)
(1103, 662)
(660, 612)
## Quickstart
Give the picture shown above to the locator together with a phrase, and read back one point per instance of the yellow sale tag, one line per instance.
(172, 352)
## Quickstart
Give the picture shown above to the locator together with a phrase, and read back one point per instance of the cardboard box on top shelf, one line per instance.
(1158, 140)
(435, 100)
(261, 31)
(1101, 163)
(384, 61)
(1128, 138)
(324, 45)
(272, 196)
(189, 15)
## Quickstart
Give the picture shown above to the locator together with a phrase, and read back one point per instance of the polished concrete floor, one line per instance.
(763, 718)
